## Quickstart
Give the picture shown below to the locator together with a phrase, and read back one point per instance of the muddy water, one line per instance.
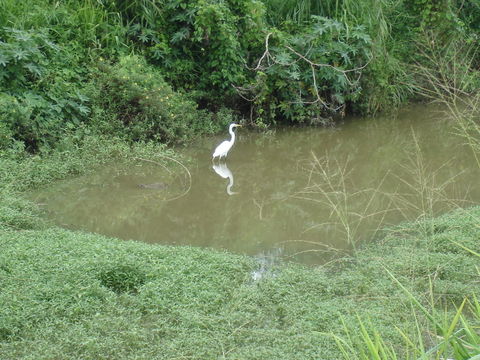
(302, 194)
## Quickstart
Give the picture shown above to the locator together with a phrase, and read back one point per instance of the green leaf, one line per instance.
(34, 69)
(4, 60)
(83, 109)
(20, 54)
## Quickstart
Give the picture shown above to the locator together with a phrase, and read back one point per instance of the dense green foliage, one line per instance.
(66, 68)
(294, 88)
(200, 45)
(145, 106)
(54, 81)
(41, 96)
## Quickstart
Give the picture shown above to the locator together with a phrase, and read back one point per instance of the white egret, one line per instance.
(223, 149)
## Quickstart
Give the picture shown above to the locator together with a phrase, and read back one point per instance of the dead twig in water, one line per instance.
(179, 163)
(154, 162)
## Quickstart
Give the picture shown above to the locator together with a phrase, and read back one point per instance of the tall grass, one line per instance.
(449, 75)
(351, 212)
(15, 13)
(454, 82)
(90, 23)
(299, 11)
(444, 334)
(441, 326)
(100, 28)
(414, 191)
(424, 191)
(367, 12)
(144, 12)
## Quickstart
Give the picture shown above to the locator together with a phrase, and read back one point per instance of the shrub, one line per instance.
(200, 45)
(5, 135)
(43, 93)
(145, 107)
(23, 56)
(309, 72)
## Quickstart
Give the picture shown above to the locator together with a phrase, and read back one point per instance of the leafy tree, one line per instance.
(201, 45)
(308, 74)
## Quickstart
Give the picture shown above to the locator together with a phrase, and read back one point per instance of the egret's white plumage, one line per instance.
(223, 149)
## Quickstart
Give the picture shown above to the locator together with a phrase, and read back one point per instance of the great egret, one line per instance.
(223, 149)
(224, 172)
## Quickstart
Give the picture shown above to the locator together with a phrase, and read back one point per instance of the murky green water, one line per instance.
(303, 194)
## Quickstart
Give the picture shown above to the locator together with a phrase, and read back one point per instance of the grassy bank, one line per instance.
(72, 295)
(20, 171)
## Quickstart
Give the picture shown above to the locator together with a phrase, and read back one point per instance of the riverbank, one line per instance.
(76, 295)
(73, 295)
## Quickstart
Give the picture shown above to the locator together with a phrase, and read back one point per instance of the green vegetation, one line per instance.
(149, 70)
(86, 82)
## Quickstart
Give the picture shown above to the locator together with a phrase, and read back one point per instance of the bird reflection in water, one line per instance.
(224, 172)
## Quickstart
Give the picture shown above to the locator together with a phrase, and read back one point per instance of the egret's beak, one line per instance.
(239, 125)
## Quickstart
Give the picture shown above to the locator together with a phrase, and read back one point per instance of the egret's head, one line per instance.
(233, 125)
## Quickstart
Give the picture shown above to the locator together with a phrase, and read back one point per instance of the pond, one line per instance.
(303, 194)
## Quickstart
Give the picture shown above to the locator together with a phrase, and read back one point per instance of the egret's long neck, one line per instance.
(232, 140)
